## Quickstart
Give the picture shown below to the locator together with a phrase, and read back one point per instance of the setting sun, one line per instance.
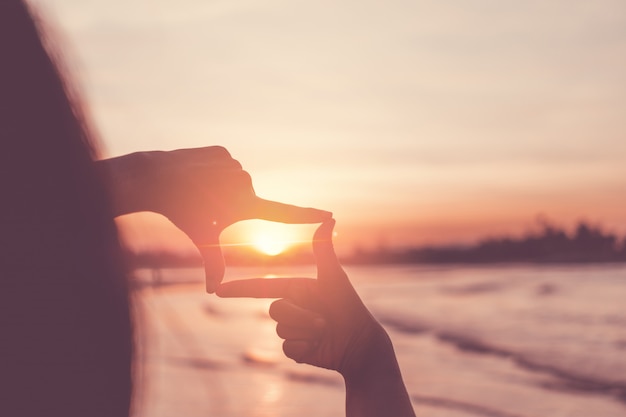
(268, 237)
(269, 244)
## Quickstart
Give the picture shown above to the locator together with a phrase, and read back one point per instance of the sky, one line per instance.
(414, 122)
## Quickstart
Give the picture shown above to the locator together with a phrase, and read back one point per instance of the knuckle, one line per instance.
(286, 349)
(291, 352)
(220, 151)
(275, 309)
(244, 177)
(281, 331)
(237, 164)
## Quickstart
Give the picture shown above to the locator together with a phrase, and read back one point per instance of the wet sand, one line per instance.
(204, 356)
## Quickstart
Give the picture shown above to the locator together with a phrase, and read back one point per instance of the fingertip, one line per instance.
(210, 286)
(325, 215)
(323, 238)
(225, 291)
(219, 291)
(325, 230)
(317, 214)
(214, 266)
(214, 273)
(287, 213)
(297, 349)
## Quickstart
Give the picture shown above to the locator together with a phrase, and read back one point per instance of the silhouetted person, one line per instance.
(66, 331)
(65, 328)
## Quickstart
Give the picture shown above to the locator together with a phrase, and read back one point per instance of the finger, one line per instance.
(215, 156)
(287, 213)
(289, 314)
(328, 265)
(265, 288)
(297, 349)
(213, 263)
(300, 333)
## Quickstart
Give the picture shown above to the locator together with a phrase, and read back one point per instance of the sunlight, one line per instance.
(269, 244)
(267, 237)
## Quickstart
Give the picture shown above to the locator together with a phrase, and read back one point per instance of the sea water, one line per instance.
(505, 341)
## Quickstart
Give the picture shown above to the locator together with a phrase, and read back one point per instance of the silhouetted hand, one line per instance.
(325, 323)
(202, 191)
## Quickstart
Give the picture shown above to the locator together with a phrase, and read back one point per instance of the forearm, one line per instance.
(379, 395)
(123, 178)
(378, 390)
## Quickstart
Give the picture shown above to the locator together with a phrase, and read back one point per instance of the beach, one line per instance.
(497, 341)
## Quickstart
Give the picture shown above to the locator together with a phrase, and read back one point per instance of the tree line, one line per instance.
(551, 244)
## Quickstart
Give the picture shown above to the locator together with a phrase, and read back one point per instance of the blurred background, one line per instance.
(413, 121)
(418, 124)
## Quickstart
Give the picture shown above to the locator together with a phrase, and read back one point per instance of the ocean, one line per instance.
(490, 341)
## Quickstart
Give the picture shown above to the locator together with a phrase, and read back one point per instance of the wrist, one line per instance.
(125, 178)
(382, 365)
(374, 356)
(376, 388)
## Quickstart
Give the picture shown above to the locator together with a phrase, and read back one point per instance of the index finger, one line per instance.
(287, 213)
(214, 267)
(328, 266)
(264, 287)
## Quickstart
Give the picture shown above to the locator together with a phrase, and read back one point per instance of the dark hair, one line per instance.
(65, 327)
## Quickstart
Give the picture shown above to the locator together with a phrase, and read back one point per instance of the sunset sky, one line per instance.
(413, 121)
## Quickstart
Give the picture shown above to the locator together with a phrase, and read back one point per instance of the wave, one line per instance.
(312, 378)
(260, 357)
(568, 380)
(198, 363)
(466, 407)
(474, 288)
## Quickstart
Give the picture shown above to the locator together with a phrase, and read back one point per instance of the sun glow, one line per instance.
(267, 237)
(269, 244)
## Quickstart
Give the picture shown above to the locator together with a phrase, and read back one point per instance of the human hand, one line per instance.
(202, 191)
(324, 322)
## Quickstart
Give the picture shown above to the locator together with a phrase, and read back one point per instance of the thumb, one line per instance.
(328, 267)
(213, 262)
